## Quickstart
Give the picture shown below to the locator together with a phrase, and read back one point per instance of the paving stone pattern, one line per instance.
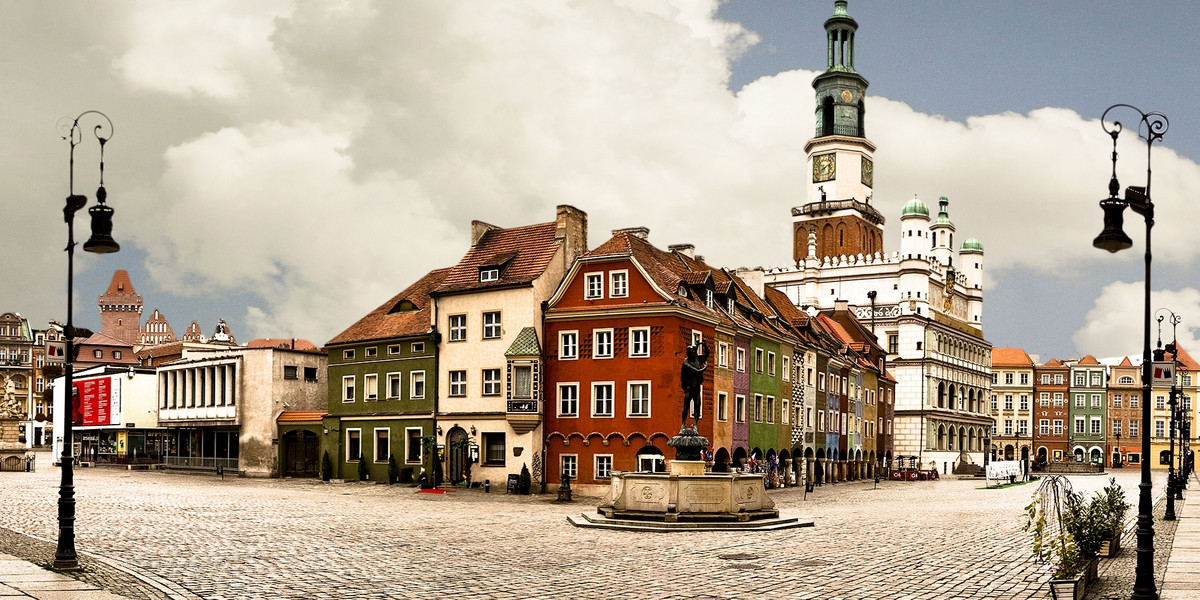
(181, 535)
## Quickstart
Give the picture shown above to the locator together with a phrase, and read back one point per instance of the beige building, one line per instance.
(488, 312)
(1011, 404)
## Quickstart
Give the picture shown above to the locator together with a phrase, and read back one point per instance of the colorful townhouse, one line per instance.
(1051, 414)
(383, 388)
(872, 389)
(1185, 389)
(1087, 394)
(1010, 404)
(617, 331)
(1124, 414)
(488, 312)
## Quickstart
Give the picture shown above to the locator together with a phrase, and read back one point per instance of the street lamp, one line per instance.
(1172, 478)
(101, 242)
(1113, 239)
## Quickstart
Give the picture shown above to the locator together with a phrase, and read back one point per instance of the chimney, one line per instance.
(570, 229)
(754, 278)
(841, 305)
(688, 250)
(478, 229)
(641, 232)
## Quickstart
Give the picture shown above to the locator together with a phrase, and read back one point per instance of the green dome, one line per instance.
(972, 244)
(915, 207)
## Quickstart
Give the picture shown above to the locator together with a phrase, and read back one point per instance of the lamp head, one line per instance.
(101, 241)
(1113, 237)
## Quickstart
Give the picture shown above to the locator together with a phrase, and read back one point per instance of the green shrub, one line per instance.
(363, 472)
(393, 470)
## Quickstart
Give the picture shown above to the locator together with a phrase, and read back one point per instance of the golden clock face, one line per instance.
(868, 172)
(824, 167)
(847, 96)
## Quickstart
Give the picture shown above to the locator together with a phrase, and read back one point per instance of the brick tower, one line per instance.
(121, 309)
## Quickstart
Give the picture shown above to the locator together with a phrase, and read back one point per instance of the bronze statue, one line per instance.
(691, 378)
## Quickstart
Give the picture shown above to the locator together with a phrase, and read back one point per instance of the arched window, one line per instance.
(827, 116)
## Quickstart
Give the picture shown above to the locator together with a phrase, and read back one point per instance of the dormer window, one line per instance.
(489, 274)
(708, 298)
(403, 306)
(682, 291)
(729, 305)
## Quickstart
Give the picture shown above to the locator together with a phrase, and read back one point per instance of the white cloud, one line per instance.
(1115, 324)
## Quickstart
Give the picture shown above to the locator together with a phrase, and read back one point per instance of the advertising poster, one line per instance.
(97, 401)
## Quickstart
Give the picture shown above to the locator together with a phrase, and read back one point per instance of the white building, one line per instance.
(925, 300)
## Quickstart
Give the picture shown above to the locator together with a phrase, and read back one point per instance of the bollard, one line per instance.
(487, 486)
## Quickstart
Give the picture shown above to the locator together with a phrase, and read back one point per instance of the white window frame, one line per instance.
(568, 345)
(596, 346)
(371, 351)
(495, 330)
(417, 347)
(393, 349)
(629, 399)
(603, 465)
(487, 274)
(634, 342)
(739, 402)
(593, 286)
(456, 388)
(787, 367)
(574, 414)
(398, 388)
(741, 360)
(375, 444)
(415, 379)
(485, 382)
(571, 460)
(611, 385)
(758, 360)
(618, 283)
(347, 354)
(457, 327)
(369, 394)
(360, 444)
(407, 446)
(771, 364)
(722, 406)
(722, 354)
(348, 391)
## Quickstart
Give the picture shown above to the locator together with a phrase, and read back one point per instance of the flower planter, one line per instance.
(1111, 547)
(1092, 571)
(1068, 589)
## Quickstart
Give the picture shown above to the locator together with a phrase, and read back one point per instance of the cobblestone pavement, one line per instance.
(173, 535)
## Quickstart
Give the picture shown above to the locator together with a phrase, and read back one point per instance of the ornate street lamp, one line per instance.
(101, 242)
(1159, 356)
(1113, 239)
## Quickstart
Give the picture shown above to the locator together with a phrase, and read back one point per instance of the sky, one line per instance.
(289, 166)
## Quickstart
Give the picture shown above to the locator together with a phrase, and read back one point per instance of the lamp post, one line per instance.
(101, 242)
(1173, 403)
(1113, 239)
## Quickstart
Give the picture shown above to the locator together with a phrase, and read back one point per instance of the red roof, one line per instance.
(522, 253)
(286, 343)
(1088, 360)
(1010, 357)
(300, 416)
(391, 320)
(120, 283)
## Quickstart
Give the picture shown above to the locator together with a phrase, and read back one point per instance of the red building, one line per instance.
(1051, 426)
(617, 331)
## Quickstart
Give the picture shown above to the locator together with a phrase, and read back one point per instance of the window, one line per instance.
(994, 405)
(784, 413)
(593, 286)
(491, 325)
(569, 466)
(393, 349)
(1058, 427)
(1079, 424)
(618, 284)
(1024, 404)
(770, 416)
(1080, 379)
(697, 338)
(1024, 378)
(602, 343)
(1095, 426)
(893, 342)
(371, 386)
(1096, 380)
(602, 399)
(412, 445)
(758, 408)
(310, 373)
(347, 354)
(458, 383)
(1058, 398)
(1160, 429)
(489, 274)
(383, 450)
(1044, 399)
(639, 399)
(1187, 380)
(416, 381)
(1079, 400)
(522, 381)
(458, 328)
(348, 388)
(116, 355)
(97, 354)
(1044, 427)
(568, 345)
(1008, 427)
(739, 409)
(603, 466)
(1160, 402)
(1008, 379)
(417, 347)
(722, 406)
(1058, 379)
(1133, 428)
(1116, 400)
(372, 352)
(787, 368)
(1133, 401)
(722, 354)
(639, 342)
(741, 360)
(1008, 403)
(771, 364)
(291, 372)
(353, 445)
(493, 448)
(393, 386)
(1045, 379)
(568, 399)
(821, 381)
(1116, 431)
(758, 360)
(491, 382)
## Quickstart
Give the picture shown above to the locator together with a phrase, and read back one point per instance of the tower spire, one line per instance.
(840, 89)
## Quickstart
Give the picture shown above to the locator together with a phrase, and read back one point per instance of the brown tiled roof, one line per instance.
(1054, 362)
(166, 349)
(99, 339)
(1126, 362)
(288, 343)
(1186, 359)
(1010, 357)
(300, 416)
(695, 277)
(120, 283)
(527, 250)
(1088, 360)
(383, 322)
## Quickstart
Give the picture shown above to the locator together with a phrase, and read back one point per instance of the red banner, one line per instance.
(92, 404)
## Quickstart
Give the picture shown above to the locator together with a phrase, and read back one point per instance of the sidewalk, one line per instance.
(23, 579)
(1182, 580)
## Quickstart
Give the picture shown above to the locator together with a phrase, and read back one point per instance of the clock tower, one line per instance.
(838, 211)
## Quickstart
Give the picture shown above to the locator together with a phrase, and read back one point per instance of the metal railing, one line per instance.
(26, 463)
(201, 462)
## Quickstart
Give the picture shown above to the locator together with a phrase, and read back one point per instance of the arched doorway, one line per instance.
(300, 453)
(721, 461)
(651, 460)
(819, 467)
(1096, 455)
(456, 451)
(1009, 452)
(739, 458)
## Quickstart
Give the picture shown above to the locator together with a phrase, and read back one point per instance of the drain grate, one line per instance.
(740, 556)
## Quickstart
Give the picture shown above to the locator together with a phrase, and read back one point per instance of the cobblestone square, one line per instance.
(200, 536)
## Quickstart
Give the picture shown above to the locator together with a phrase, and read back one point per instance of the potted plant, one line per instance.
(1112, 504)
(1085, 520)
(1053, 543)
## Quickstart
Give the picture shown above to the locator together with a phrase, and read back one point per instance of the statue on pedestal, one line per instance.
(689, 443)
